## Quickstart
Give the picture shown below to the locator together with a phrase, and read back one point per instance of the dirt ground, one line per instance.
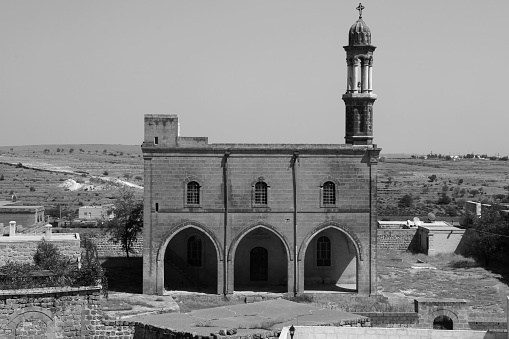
(401, 276)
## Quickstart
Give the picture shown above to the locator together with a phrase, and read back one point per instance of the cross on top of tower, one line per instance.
(360, 8)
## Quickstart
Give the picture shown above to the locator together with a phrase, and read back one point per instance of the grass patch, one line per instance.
(188, 303)
(353, 303)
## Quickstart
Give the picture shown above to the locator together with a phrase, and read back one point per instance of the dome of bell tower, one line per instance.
(359, 34)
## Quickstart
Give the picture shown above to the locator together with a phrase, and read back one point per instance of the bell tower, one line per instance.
(359, 97)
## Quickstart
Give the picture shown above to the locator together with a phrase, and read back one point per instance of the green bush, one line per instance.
(57, 270)
(16, 275)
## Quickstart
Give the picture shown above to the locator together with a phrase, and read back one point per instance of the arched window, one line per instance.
(193, 193)
(259, 264)
(194, 251)
(260, 193)
(442, 322)
(323, 251)
(329, 193)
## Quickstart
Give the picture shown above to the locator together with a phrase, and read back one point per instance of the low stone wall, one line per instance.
(49, 313)
(105, 247)
(391, 319)
(429, 309)
(22, 248)
(398, 239)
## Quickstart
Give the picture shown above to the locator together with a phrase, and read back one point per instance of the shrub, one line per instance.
(444, 200)
(432, 178)
(32, 189)
(91, 271)
(105, 173)
(138, 177)
(406, 201)
(2, 177)
(47, 256)
(16, 276)
(19, 165)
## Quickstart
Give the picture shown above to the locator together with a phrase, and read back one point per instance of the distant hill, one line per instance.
(133, 149)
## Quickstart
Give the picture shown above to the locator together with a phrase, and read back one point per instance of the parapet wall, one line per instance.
(303, 332)
(398, 239)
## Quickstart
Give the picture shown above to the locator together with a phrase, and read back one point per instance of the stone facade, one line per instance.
(230, 224)
(277, 217)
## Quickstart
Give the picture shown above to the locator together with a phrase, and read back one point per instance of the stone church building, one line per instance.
(265, 217)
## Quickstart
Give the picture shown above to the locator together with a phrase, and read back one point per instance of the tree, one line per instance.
(488, 233)
(2, 177)
(71, 150)
(406, 201)
(127, 221)
(432, 177)
(444, 199)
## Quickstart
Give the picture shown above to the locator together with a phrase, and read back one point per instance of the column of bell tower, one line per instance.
(359, 97)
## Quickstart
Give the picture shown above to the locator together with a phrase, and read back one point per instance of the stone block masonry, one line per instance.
(21, 249)
(50, 313)
(398, 239)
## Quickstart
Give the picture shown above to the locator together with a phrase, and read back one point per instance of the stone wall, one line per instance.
(105, 247)
(50, 313)
(391, 319)
(398, 239)
(21, 249)
(429, 309)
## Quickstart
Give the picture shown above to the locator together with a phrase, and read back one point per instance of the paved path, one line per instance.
(248, 318)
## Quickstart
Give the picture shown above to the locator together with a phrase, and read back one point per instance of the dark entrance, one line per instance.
(442, 322)
(259, 264)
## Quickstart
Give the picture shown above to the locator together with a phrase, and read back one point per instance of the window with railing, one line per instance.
(323, 251)
(260, 193)
(193, 193)
(329, 193)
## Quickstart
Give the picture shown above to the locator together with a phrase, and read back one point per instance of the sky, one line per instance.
(264, 71)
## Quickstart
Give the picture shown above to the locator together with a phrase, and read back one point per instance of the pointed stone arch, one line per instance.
(233, 253)
(235, 242)
(336, 225)
(185, 224)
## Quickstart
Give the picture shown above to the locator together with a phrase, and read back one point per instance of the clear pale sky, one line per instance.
(85, 72)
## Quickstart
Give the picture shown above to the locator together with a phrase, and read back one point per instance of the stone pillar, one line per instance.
(47, 232)
(349, 77)
(355, 78)
(370, 76)
(364, 80)
(12, 228)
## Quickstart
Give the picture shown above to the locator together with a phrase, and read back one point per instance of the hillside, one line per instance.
(39, 175)
(52, 176)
